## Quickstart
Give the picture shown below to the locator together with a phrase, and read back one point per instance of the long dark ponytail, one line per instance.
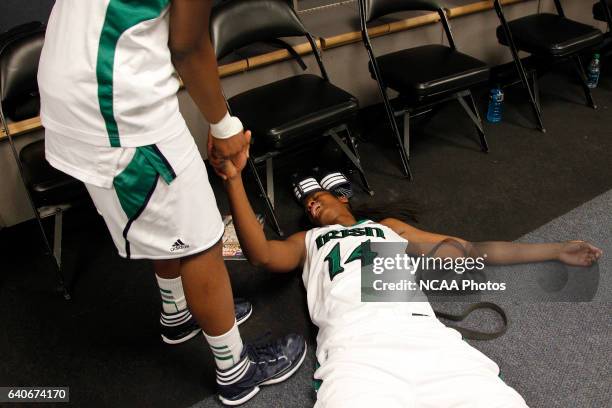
(403, 211)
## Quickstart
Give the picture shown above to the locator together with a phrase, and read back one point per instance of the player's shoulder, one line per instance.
(394, 224)
(298, 236)
(391, 222)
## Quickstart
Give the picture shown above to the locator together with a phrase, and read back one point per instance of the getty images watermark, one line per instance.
(395, 272)
(409, 265)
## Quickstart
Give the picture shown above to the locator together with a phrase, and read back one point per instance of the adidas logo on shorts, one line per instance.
(178, 245)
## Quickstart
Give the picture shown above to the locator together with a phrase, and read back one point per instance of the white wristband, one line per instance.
(226, 127)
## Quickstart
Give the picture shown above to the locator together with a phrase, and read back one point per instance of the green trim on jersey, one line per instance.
(133, 185)
(316, 383)
(159, 162)
(136, 184)
(121, 15)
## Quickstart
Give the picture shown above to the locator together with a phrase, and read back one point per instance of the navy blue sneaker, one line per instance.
(179, 327)
(265, 364)
(243, 309)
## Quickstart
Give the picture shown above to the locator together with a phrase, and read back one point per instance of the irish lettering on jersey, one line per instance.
(324, 238)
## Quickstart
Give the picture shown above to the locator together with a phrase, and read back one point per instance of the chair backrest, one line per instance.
(370, 10)
(20, 50)
(238, 23)
(499, 9)
(606, 5)
(19, 55)
(374, 9)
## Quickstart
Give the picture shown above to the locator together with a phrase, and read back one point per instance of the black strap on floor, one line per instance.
(475, 334)
(465, 332)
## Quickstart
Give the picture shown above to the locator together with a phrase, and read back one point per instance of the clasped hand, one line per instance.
(229, 156)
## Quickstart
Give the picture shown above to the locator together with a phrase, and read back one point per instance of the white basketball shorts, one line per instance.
(421, 365)
(154, 213)
(156, 200)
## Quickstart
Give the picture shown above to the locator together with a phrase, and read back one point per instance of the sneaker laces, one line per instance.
(262, 350)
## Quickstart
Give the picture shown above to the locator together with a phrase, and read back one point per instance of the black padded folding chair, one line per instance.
(423, 76)
(50, 192)
(602, 12)
(291, 113)
(547, 36)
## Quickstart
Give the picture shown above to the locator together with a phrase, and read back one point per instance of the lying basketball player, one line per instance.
(381, 354)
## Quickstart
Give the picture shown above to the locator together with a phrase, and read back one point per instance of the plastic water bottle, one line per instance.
(496, 102)
(593, 72)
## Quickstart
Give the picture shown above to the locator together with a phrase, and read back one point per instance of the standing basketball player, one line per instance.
(109, 107)
(391, 355)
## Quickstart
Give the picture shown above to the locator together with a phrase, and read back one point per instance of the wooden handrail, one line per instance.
(377, 31)
(410, 23)
(280, 55)
(244, 65)
(225, 70)
(29, 125)
(233, 68)
(477, 7)
(24, 126)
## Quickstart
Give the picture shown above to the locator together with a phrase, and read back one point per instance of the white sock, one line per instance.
(172, 295)
(226, 348)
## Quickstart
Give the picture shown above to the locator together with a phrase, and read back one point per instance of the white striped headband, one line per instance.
(306, 187)
(338, 184)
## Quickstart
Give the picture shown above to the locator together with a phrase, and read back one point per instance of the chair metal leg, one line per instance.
(57, 238)
(406, 122)
(352, 153)
(536, 90)
(532, 96)
(519, 64)
(58, 272)
(56, 252)
(362, 173)
(270, 181)
(263, 193)
(383, 89)
(583, 81)
(398, 138)
(57, 248)
(474, 115)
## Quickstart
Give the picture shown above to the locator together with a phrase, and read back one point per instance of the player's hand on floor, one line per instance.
(579, 253)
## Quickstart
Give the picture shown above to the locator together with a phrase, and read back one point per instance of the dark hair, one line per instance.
(406, 211)
(403, 211)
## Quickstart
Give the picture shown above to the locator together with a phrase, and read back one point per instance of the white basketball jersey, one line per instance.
(105, 73)
(332, 277)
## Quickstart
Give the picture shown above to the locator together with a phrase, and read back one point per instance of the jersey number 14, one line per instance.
(362, 253)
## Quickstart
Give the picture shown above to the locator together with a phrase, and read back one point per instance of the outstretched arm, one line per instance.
(195, 61)
(275, 256)
(578, 253)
